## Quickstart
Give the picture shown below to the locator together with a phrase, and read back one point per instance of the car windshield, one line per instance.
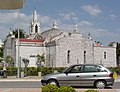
(65, 70)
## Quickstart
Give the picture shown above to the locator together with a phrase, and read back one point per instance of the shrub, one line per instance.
(115, 69)
(91, 90)
(66, 89)
(46, 70)
(50, 88)
(59, 69)
(11, 71)
(54, 88)
(32, 71)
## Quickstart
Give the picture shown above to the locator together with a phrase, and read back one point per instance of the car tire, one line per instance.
(101, 84)
(54, 82)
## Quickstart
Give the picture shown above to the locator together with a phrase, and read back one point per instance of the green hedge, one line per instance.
(54, 88)
(66, 89)
(50, 88)
(11, 71)
(91, 90)
(115, 69)
(32, 71)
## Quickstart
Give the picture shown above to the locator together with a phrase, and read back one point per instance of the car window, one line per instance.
(90, 68)
(75, 69)
(100, 69)
(93, 68)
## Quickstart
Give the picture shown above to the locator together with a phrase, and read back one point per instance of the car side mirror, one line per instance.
(66, 73)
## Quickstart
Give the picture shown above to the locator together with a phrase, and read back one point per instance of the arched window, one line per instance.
(68, 56)
(36, 29)
(84, 56)
(105, 55)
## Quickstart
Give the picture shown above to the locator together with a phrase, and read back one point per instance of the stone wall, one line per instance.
(99, 55)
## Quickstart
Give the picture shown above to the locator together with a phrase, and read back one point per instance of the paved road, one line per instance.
(37, 84)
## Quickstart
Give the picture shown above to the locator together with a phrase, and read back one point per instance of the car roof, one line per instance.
(86, 64)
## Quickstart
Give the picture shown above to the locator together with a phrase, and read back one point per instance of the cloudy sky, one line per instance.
(100, 18)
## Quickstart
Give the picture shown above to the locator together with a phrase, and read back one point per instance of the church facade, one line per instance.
(60, 48)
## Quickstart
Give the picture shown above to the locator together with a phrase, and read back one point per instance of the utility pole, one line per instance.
(11, 5)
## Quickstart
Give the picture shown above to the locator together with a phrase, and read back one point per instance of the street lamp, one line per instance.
(10, 5)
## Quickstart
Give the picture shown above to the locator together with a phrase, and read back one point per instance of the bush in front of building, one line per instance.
(115, 69)
(11, 71)
(33, 71)
(49, 70)
(59, 69)
(46, 70)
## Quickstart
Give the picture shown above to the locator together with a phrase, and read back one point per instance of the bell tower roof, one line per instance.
(35, 17)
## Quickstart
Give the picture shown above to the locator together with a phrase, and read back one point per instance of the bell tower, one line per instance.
(34, 24)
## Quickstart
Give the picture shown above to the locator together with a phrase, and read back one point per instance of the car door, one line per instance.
(88, 75)
(72, 76)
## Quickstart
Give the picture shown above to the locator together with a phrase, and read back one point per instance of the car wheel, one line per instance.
(100, 84)
(54, 82)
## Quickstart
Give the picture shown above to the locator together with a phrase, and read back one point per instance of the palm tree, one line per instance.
(26, 62)
(40, 59)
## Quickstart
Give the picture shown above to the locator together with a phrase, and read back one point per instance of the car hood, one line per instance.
(54, 75)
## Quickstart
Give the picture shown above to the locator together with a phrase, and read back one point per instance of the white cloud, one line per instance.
(113, 17)
(6, 18)
(69, 16)
(92, 10)
(85, 23)
(98, 34)
(10, 20)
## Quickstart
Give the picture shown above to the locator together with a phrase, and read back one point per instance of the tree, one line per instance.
(26, 62)
(118, 53)
(9, 60)
(40, 59)
(1, 53)
(111, 44)
(21, 33)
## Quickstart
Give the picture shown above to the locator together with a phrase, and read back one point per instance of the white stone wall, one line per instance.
(29, 52)
(110, 56)
(77, 45)
(9, 47)
(51, 56)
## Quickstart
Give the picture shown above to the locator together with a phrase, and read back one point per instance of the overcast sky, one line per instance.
(100, 18)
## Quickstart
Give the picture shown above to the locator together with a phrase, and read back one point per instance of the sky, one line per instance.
(100, 18)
